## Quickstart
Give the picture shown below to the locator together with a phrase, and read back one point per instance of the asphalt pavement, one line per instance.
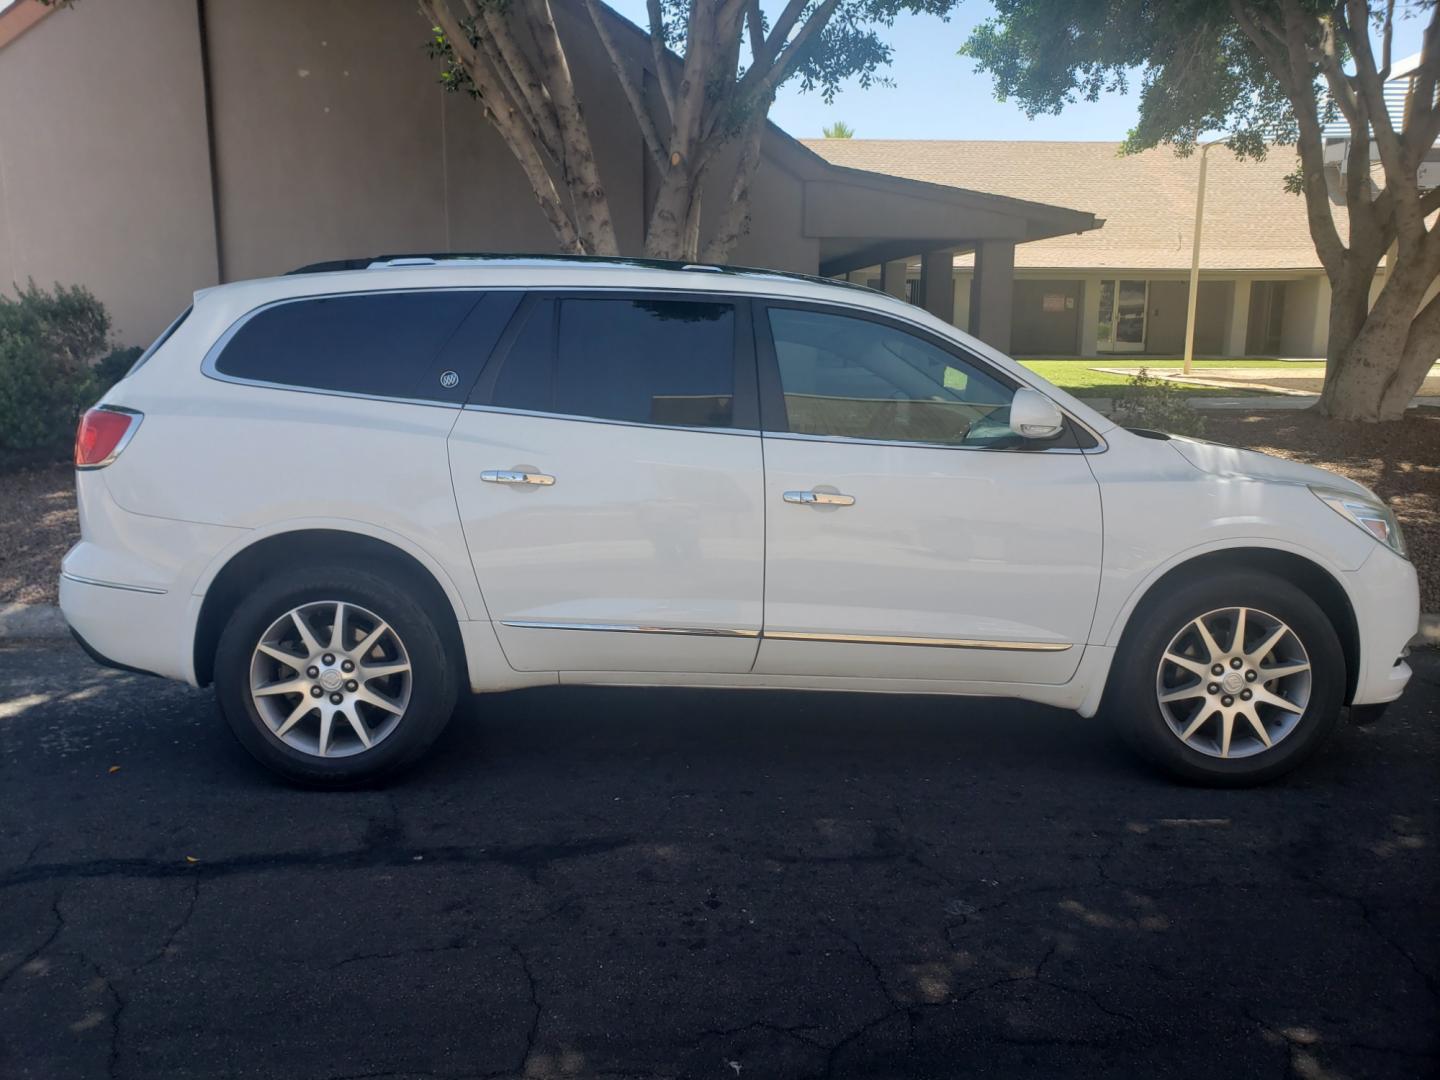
(711, 884)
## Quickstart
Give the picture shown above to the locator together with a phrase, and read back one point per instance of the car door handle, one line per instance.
(819, 498)
(516, 476)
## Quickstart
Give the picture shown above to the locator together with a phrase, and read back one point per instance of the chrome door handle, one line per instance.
(819, 498)
(515, 476)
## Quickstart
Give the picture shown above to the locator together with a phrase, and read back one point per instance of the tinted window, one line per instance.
(525, 380)
(867, 380)
(644, 361)
(377, 343)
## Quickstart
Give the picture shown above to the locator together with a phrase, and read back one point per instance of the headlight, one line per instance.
(1372, 515)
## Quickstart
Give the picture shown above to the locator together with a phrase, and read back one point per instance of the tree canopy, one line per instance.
(1269, 72)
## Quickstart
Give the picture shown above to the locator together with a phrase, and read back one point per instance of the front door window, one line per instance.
(1121, 325)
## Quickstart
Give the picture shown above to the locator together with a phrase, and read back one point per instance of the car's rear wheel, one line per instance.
(1228, 680)
(334, 676)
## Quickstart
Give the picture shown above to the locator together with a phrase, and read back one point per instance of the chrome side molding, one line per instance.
(111, 584)
(928, 642)
(790, 635)
(627, 628)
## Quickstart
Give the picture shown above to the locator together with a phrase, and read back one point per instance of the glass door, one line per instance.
(1123, 306)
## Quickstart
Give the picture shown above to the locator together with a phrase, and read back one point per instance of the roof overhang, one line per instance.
(19, 17)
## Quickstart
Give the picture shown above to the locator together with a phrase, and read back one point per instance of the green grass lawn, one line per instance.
(1167, 362)
(1076, 377)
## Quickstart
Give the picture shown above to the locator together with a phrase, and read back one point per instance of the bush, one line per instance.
(112, 369)
(49, 344)
(1157, 405)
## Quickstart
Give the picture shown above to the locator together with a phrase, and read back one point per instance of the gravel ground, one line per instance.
(38, 522)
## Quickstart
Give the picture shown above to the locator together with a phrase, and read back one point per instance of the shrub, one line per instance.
(1158, 405)
(49, 342)
(112, 369)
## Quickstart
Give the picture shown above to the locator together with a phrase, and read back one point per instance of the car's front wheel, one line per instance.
(1228, 680)
(334, 676)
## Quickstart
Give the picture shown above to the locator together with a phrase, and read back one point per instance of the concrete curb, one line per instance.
(32, 622)
(43, 622)
(1429, 630)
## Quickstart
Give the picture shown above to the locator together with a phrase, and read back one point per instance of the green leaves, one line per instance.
(49, 340)
(1198, 71)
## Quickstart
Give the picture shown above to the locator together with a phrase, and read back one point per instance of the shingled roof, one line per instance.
(1146, 199)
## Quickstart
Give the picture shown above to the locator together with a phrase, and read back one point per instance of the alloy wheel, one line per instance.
(1234, 682)
(330, 679)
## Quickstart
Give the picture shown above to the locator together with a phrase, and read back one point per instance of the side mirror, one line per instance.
(1035, 416)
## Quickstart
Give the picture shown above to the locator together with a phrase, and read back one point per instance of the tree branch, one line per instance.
(519, 137)
(756, 25)
(582, 175)
(1286, 58)
(766, 81)
(659, 53)
(629, 85)
(734, 223)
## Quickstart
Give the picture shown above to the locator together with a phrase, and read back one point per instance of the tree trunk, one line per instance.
(1356, 384)
(1375, 371)
(669, 233)
(1346, 387)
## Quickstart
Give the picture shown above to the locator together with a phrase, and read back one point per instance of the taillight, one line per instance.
(102, 434)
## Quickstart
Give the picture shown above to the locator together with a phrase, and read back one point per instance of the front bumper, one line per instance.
(1385, 595)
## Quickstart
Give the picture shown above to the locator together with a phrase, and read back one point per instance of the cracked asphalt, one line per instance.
(703, 884)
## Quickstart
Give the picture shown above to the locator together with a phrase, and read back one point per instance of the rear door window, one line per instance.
(377, 344)
(640, 360)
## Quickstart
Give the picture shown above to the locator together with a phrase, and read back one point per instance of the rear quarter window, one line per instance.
(379, 344)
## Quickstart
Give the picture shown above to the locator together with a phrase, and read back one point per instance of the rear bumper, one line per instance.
(1385, 594)
(136, 631)
(127, 588)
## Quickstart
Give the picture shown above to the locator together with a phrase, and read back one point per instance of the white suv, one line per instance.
(347, 496)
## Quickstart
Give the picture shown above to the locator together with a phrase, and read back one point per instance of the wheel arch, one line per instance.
(237, 573)
(1318, 582)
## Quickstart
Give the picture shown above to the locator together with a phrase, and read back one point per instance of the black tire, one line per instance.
(434, 676)
(1131, 702)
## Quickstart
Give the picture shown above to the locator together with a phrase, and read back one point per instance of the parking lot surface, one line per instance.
(644, 883)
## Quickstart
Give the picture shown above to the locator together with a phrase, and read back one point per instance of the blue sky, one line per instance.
(938, 95)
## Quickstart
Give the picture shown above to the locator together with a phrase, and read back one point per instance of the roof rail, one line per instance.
(386, 262)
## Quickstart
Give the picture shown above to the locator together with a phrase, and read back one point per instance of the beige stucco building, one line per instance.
(153, 147)
(1123, 288)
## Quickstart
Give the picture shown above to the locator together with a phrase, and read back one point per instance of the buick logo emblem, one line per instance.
(449, 380)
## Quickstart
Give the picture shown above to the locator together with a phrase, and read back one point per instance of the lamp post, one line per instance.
(1195, 256)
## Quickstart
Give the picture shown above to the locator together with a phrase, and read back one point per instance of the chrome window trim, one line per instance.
(792, 635)
(68, 576)
(751, 432)
(630, 628)
(793, 436)
(207, 365)
(139, 418)
(212, 355)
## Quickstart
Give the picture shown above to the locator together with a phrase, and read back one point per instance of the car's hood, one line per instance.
(1221, 460)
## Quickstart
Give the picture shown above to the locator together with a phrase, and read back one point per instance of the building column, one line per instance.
(892, 277)
(1239, 325)
(992, 296)
(937, 283)
(1320, 329)
(1089, 316)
